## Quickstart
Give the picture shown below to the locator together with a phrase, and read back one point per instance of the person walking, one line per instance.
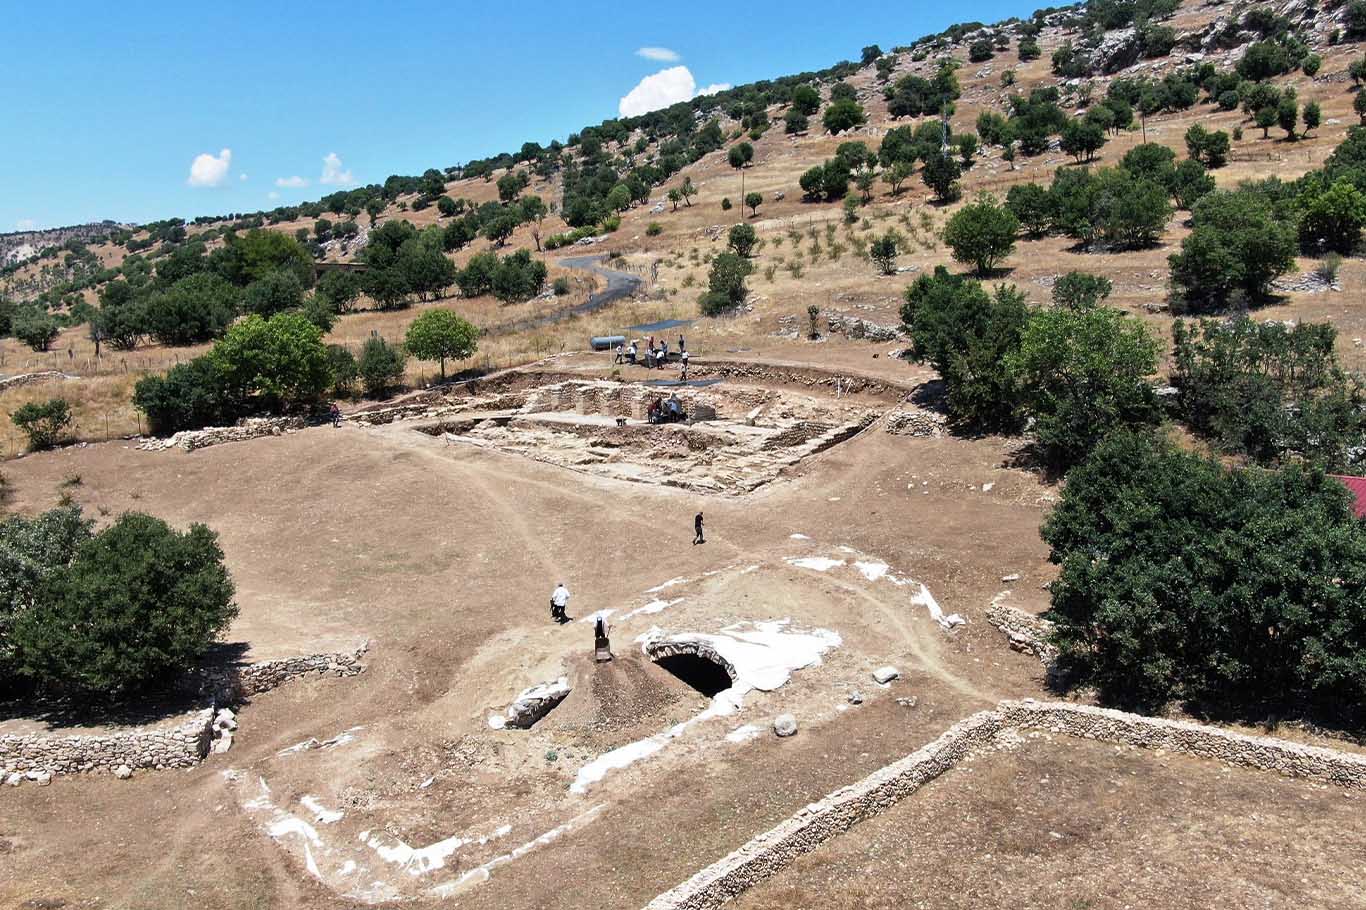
(334, 413)
(697, 529)
(559, 601)
(682, 345)
(683, 374)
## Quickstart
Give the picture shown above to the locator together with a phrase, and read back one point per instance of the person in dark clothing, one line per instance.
(334, 414)
(697, 528)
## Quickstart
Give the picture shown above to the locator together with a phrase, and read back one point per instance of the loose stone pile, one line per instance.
(909, 421)
(1027, 633)
(857, 327)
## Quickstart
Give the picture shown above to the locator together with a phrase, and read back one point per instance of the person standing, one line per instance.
(682, 345)
(559, 601)
(697, 530)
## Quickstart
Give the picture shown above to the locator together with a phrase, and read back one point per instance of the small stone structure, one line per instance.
(152, 747)
(818, 822)
(852, 326)
(1027, 633)
(910, 421)
(250, 428)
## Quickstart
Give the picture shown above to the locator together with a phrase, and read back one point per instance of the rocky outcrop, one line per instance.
(857, 327)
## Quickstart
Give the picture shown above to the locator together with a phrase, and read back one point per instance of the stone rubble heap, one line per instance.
(909, 421)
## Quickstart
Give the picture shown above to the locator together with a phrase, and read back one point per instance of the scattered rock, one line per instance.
(41, 778)
(225, 720)
(14, 780)
(123, 772)
(856, 697)
(884, 675)
(222, 744)
(785, 725)
(1013, 576)
(908, 701)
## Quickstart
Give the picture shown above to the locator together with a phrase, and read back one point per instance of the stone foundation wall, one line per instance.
(818, 822)
(809, 378)
(250, 428)
(23, 379)
(178, 747)
(39, 756)
(1027, 633)
(914, 422)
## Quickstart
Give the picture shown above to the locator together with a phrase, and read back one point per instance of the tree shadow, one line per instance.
(167, 698)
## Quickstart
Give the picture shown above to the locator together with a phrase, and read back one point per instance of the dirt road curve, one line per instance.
(619, 286)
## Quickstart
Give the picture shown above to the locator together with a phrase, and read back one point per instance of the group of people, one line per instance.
(559, 598)
(670, 411)
(655, 356)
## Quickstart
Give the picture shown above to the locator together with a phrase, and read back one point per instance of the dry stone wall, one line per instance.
(818, 822)
(909, 421)
(23, 379)
(250, 428)
(1027, 633)
(34, 755)
(38, 756)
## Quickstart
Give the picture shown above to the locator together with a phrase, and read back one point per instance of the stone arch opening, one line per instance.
(695, 663)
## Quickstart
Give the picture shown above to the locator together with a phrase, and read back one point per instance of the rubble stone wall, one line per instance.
(1027, 632)
(23, 379)
(178, 747)
(148, 747)
(250, 428)
(818, 822)
(808, 378)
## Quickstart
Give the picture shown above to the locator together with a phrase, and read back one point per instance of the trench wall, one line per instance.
(818, 822)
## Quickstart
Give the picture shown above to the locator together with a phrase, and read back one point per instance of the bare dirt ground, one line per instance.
(1064, 823)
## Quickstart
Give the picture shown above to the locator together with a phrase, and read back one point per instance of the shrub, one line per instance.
(339, 288)
(841, 115)
(138, 603)
(1189, 183)
(1084, 373)
(883, 251)
(982, 233)
(1080, 291)
(1032, 206)
(518, 277)
(1332, 217)
(192, 311)
(381, 366)
(654, 229)
(1168, 589)
(741, 239)
(46, 423)
(941, 173)
(345, 371)
(981, 51)
(1311, 64)
(725, 284)
(440, 334)
(725, 204)
(273, 293)
(32, 550)
(966, 335)
(34, 327)
(1236, 245)
(188, 396)
(560, 286)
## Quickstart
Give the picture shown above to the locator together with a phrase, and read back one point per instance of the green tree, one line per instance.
(1313, 116)
(273, 293)
(1169, 587)
(725, 284)
(1359, 107)
(966, 335)
(897, 175)
(753, 201)
(884, 251)
(188, 396)
(340, 288)
(1287, 116)
(1332, 218)
(941, 173)
(1080, 291)
(193, 310)
(46, 423)
(1084, 373)
(139, 603)
(1237, 244)
(740, 155)
(805, 100)
(1189, 183)
(34, 327)
(374, 207)
(440, 334)
(273, 364)
(982, 233)
(1033, 206)
(1082, 139)
(842, 115)
(741, 239)
(32, 551)
(688, 191)
(381, 366)
(1265, 117)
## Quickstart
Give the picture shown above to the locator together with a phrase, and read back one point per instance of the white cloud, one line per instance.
(272, 195)
(714, 88)
(662, 54)
(207, 170)
(334, 174)
(25, 224)
(661, 89)
(291, 183)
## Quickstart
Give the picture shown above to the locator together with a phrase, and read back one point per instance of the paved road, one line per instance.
(620, 285)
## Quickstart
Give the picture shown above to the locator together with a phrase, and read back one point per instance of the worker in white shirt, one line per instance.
(559, 600)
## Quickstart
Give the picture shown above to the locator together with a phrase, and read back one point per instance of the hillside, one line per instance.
(832, 270)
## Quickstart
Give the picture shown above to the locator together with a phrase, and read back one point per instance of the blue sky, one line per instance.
(109, 105)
